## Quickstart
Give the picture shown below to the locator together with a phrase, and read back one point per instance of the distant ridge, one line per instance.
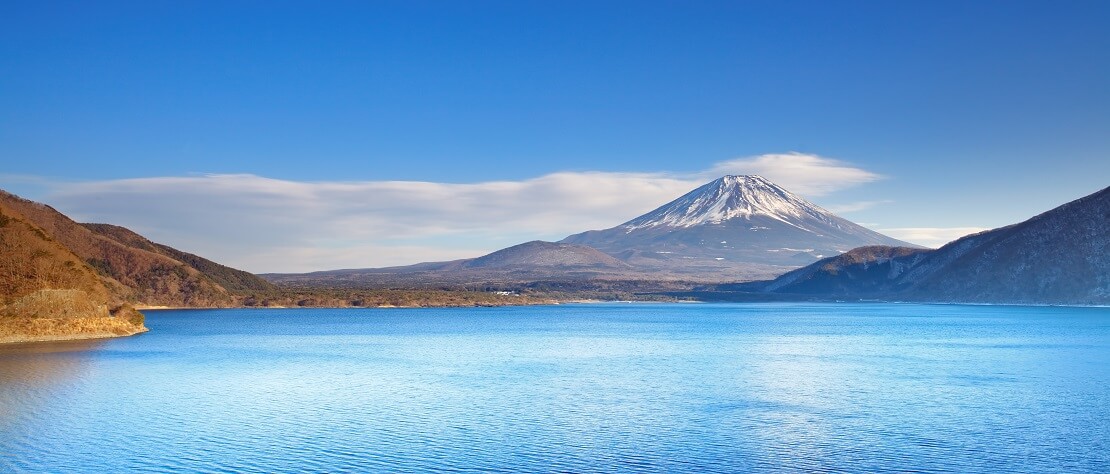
(530, 261)
(538, 253)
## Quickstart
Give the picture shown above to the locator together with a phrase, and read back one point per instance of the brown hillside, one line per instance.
(131, 273)
(229, 278)
(63, 314)
(31, 260)
(48, 293)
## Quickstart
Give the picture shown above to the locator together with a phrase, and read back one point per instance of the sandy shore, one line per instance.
(16, 339)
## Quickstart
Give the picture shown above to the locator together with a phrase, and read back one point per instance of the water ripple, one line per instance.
(591, 388)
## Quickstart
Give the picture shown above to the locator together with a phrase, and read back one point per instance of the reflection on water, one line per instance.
(40, 365)
(31, 372)
(629, 388)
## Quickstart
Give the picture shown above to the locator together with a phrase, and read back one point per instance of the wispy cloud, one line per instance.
(263, 224)
(809, 175)
(930, 236)
(855, 206)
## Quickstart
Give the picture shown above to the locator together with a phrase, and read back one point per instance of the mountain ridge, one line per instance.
(1061, 256)
(229, 278)
(134, 269)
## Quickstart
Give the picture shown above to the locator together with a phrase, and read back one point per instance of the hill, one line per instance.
(523, 263)
(546, 254)
(229, 278)
(48, 293)
(135, 270)
(1059, 257)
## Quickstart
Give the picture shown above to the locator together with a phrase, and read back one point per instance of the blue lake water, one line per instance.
(609, 387)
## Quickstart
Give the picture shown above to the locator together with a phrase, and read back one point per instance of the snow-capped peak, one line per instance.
(732, 197)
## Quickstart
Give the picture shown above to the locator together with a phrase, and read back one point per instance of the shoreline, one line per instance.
(67, 337)
(144, 307)
(600, 301)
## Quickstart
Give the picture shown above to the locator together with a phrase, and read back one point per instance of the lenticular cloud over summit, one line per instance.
(810, 175)
(264, 224)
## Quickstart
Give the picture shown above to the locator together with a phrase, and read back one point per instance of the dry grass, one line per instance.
(55, 304)
(31, 260)
(50, 315)
(56, 329)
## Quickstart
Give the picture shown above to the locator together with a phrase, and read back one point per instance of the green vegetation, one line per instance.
(370, 298)
(102, 267)
(476, 294)
(227, 277)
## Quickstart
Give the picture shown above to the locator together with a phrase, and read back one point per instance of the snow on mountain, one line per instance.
(734, 222)
(732, 197)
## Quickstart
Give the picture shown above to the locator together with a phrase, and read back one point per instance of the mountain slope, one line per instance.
(865, 270)
(1059, 257)
(545, 254)
(530, 261)
(131, 267)
(227, 277)
(48, 293)
(729, 222)
(31, 260)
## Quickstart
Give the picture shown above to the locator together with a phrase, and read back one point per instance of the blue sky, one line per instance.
(965, 115)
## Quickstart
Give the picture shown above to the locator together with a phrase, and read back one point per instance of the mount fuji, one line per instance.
(735, 228)
(738, 223)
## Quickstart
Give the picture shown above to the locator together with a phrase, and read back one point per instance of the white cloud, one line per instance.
(855, 206)
(270, 225)
(804, 174)
(930, 236)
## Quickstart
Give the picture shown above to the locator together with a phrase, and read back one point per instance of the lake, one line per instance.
(605, 387)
